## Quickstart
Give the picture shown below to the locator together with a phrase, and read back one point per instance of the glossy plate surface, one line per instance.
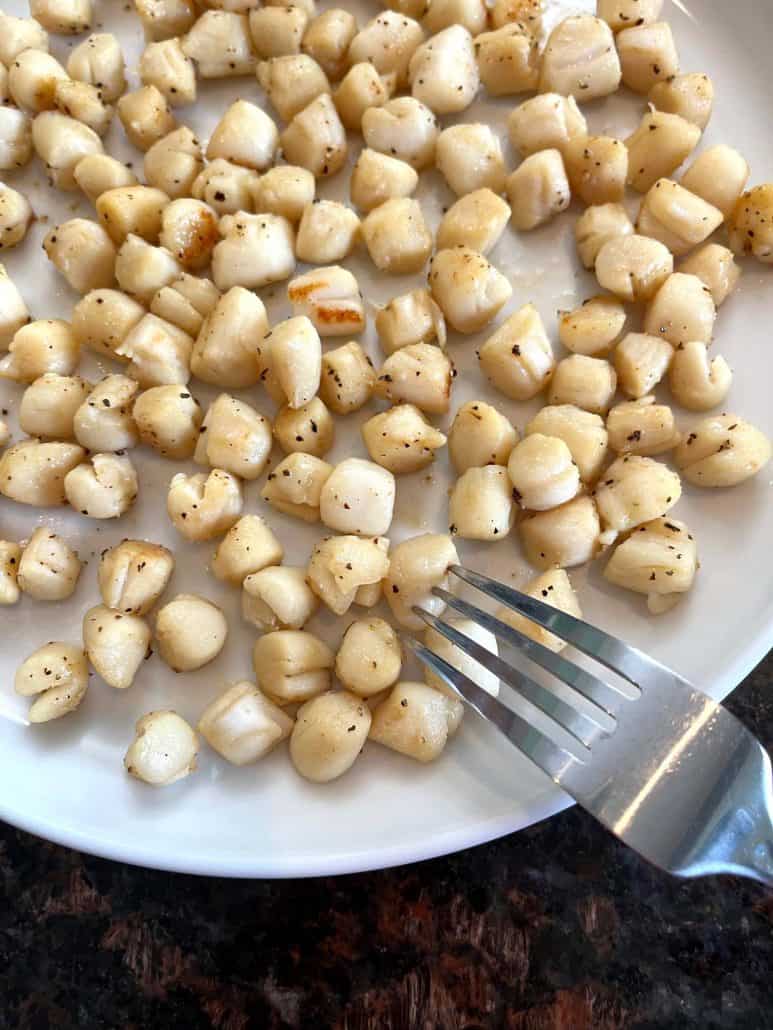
(65, 781)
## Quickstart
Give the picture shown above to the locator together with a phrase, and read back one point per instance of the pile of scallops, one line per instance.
(167, 270)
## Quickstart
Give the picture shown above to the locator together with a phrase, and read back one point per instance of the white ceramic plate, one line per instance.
(65, 780)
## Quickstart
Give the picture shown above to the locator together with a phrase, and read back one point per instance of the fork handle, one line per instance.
(754, 855)
(739, 838)
(749, 829)
(761, 866)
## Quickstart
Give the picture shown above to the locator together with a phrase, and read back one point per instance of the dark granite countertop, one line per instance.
(555, 928)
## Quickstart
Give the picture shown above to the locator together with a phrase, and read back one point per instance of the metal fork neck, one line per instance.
(738, 834)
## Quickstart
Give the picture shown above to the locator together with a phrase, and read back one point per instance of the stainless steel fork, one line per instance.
(674, 775)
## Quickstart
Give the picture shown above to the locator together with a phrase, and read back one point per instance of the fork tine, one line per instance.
(574, 722)
(603, 696)
(628, 662)
(551, 758)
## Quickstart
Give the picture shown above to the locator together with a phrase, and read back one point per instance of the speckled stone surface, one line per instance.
(555, 928)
